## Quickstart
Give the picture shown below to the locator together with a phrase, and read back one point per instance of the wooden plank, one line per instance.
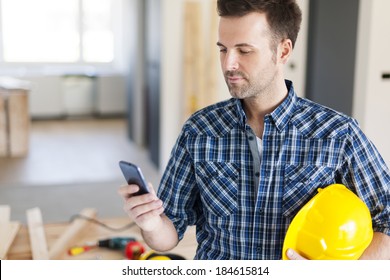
(71, 234)
(194, 59)
(37, 234)
(21, 249)
(13, 229)
(189, 98)
(3, 124)
(8, 230)
(212, 70)
(19, 123)
(5, 214)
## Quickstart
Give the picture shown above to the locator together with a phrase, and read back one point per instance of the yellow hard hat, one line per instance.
(334, 225)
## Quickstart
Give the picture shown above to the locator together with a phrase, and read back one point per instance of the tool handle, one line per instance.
(74, 251)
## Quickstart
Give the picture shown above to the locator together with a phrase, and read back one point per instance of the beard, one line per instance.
(240, 91)
(248, 88)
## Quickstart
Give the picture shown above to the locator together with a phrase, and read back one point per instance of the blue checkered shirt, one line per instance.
(241, 203)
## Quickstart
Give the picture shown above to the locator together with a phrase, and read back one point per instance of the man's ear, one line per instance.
(285, 50)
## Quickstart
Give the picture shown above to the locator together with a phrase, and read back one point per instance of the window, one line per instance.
(57, 31)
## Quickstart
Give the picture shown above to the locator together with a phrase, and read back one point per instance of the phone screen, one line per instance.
(133, 175)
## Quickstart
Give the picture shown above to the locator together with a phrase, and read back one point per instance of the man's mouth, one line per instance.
(234, 79)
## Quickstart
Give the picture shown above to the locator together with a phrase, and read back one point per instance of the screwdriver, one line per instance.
(116, 243)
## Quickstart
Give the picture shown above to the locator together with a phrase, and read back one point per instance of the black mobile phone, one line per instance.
(133, 175)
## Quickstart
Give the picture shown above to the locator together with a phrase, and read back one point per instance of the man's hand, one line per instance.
(379, 249)
(144, 210)
(148, 213)
(293, 255)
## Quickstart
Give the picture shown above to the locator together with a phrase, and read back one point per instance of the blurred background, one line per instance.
(87, 83)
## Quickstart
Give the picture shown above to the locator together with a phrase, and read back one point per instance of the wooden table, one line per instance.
(21, 248)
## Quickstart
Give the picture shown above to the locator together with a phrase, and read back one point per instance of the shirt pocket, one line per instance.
(218, 186)
(301, 184)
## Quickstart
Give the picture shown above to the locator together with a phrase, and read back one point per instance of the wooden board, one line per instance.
(12, 230)
(3, 125)
(21, 247)
(200, 56)
(194, 59)
(5, 214)
(213, 57)
(71, 234)
(37, 234)
(19, 123)
(8, 230)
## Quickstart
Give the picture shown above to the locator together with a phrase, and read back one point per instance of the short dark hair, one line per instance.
(284, 16)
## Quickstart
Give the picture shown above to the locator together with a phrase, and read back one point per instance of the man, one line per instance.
(241, 169)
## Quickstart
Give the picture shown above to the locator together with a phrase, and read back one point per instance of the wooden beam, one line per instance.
(194, 59)
(8, 230)
(37, 234)
(19, 123)
(212, 70)
(5, 213)
(68, 238)
(3, 125)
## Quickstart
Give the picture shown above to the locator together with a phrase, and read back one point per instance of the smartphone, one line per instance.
(133, 175)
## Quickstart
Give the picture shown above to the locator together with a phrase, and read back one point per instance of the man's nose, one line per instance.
(231, 61)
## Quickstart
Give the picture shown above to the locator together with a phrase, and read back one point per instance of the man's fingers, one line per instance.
(293, 255)
(149, 215)
(142, 208)
(151, 189)
(127, 190)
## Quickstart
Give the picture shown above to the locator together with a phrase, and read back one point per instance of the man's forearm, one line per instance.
(379, 249)
(163, 238)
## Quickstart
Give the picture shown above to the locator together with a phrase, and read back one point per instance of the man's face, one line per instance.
(249, 65)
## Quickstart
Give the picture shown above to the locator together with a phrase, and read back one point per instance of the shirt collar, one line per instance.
(240, 113)
(281, 115)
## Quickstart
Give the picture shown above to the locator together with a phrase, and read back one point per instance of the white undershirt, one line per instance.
(260, 146)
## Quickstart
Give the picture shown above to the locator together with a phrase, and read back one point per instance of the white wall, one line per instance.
(372, 93)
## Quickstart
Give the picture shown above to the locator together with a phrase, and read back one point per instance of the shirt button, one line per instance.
(261, 211)
(251, 138)
(259, 249)
(257, 174)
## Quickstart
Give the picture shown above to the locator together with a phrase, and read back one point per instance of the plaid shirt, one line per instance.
(242, 204)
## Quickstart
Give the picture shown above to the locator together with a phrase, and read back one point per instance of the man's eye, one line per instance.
(222, 50)
(245, 51)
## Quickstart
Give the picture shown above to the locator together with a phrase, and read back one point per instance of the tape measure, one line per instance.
(154, 256)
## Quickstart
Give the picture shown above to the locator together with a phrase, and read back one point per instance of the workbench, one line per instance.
(21, 249)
